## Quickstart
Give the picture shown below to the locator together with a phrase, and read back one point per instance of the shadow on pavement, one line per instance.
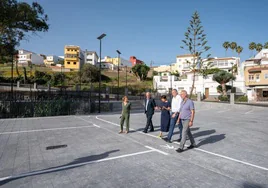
(252, 185)
(74, 164)
(204, 133)
(211, 139)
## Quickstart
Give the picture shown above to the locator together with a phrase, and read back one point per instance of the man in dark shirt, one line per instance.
(149, 111)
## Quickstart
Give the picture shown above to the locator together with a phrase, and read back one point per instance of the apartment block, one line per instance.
(26, 58)
(73, 57)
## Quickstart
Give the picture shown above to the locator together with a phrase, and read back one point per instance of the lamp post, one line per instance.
(232, 79)
(118, 63)
(99, 38)
(12, 77)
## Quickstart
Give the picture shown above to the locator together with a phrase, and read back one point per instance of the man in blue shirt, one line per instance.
(186, 116)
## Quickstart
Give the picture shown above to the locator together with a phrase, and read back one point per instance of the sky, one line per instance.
(151, 30)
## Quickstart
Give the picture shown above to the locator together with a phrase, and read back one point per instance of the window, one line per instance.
(251, 77)
(74, 63)
(68, 63)
(89, 59)
(264, 93)
(266, 76)
(257, 77)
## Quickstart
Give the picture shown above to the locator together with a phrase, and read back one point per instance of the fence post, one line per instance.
(18, 84)
(232, 98)
(199, 96)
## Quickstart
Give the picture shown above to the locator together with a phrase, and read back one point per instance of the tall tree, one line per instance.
(233, 46)
(259, 47)
(252, 47)
(196, 44)
(226, 47)
(223, 77)
(239, 50)
(265, 46)
(16, 20)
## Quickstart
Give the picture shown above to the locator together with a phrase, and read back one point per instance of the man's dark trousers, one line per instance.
(149, 122)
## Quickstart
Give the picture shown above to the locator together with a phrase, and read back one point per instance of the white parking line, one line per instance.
(204, 151)
(223, 111)
(40, 130)
(129, 128)
(248, 112)
(157, 150)
(74, 165)
(37, 118)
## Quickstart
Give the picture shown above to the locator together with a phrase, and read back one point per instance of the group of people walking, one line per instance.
(180, 112)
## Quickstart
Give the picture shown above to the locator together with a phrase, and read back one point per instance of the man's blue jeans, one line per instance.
(173, 122)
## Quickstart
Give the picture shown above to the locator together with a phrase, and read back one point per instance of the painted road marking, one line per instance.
(208, 152)
(157, 150)
(75, 165)
(168, 146)
(40, 130)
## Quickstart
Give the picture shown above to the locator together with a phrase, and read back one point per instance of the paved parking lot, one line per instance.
(232, 151)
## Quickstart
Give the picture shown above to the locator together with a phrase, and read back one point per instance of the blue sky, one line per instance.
(151, 30)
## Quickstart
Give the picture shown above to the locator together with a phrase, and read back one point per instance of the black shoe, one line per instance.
(179, 140)
(191, 146)
(167, 140)
(179, 150)
(152, 130)
(144, 131)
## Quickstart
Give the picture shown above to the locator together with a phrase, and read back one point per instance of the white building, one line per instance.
(183, 63)
(26, 58)
(91, 57)
(52, 59)
(260, 59)
(207, 86)
(107, 65)
(225, 63)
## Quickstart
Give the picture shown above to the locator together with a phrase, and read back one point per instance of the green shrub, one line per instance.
(223, 98)
(242, 99)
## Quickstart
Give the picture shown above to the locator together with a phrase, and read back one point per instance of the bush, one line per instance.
(242, 99)
(223, 98)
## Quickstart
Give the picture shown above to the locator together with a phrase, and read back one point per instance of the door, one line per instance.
(207, 92)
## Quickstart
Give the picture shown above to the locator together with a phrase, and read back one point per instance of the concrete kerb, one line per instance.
(221, 106)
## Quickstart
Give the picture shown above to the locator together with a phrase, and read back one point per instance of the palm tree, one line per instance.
(239, 50)
(259, 47)
(233, 46)
(223, 77)
(265, 46)
(252, 46)
(226, 47)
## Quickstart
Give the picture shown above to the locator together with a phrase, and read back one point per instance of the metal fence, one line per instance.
(44, 103)
(30, 101)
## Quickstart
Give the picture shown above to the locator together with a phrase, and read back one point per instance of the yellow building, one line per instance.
(112, 60)
(73, 57)
(256, 78)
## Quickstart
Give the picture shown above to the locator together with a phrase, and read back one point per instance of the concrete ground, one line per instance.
(232, 151)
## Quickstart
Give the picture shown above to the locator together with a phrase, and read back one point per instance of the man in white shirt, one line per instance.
(175, 109)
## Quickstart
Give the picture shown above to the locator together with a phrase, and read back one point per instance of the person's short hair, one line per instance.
(125, 97)
(175, 90)
(184, 91)
(164, 97)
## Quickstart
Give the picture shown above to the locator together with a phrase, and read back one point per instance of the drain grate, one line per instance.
(56, 147)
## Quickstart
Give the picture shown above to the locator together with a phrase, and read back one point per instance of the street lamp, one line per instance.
(99, 38)
(232, 75)
(118, 57)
